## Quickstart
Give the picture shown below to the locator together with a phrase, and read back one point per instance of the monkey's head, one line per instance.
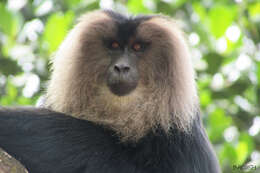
(130, 74)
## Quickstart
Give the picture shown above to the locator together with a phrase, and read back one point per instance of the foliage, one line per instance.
(225, 44)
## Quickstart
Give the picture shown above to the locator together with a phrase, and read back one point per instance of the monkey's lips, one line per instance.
(121, 88)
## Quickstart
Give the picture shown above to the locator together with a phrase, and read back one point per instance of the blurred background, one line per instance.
(224, 36)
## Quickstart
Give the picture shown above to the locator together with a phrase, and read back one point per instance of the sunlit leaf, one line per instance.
(9, 43)
(26, 101)
(200, 10)
(178, 3)
(137, 6)
(242, 150)
(231, 46)
(10, 95)
(244, 147)
(92, 5)
(218, 122)
(8, 21)
(165, 8)
(56, 29)
(258, 73)
(244, 136)
(221, 17)
(205, 97)
(72, 3)
(254, 10)
(228, 152)
(12, 91)
(250, 94)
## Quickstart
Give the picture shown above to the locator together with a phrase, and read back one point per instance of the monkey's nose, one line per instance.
(122, 78)
(121, 68)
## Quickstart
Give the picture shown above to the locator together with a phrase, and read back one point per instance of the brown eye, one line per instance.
(114, 45)
(137, 47)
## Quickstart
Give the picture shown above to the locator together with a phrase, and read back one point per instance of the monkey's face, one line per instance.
(123, 72)
(122, 75)
(126, 54)
(114, 53)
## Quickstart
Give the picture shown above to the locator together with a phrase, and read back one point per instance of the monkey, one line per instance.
(122, 98)
(159, 90)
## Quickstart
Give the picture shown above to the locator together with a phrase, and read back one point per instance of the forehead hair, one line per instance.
(126, 27)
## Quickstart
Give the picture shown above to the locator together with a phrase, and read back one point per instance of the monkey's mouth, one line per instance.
(122, 79)
(121, 88)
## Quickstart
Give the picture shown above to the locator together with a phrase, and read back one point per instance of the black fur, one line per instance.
(48, 142)
(126, 26)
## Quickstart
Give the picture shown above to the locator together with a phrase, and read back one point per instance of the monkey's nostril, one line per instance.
(121, 68)
(126, 69)
(117, 69)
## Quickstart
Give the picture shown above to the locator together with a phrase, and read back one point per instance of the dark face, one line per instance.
(125, 50)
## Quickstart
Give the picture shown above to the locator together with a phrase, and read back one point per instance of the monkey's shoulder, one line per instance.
(46, 141)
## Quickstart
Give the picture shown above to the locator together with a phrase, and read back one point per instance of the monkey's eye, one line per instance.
(114, 45)
(138, 47)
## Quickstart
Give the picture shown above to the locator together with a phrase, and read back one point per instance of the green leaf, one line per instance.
(165, 8)
(218, 122)
(9, 66)
(242, 151)
(178, 3)
(244, 148)
(221, 17)
(258, 74)
(12, 91)
(228, 152)
(214, 61)
(92, 5)
(236, 88)
(8, 44)
(11, 94)
(72, 3)
(56, 29)
(137, 6)
(200, 10)
(26, 101)
(233, 46)
(169, 7)
(205, 97)
(254, 10)
(9, 22)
